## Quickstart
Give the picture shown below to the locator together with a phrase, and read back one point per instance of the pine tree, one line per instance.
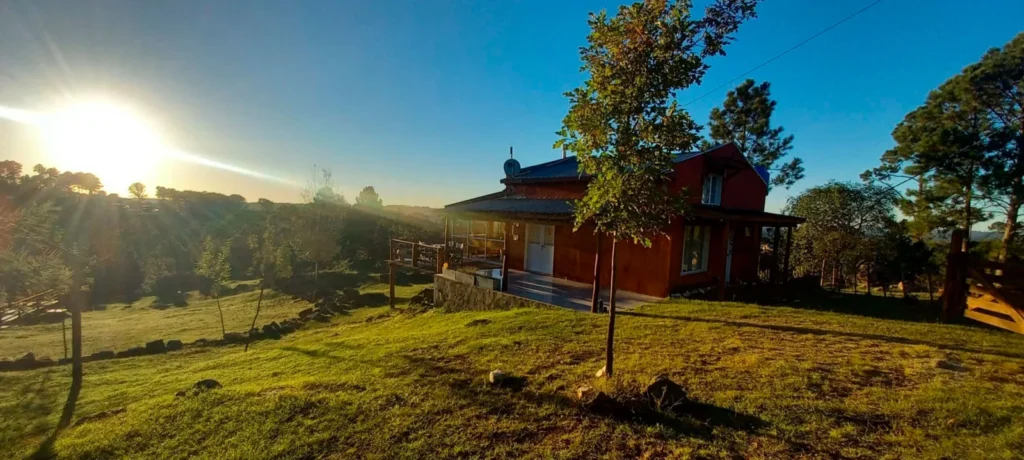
(746, 119)
(369, 198)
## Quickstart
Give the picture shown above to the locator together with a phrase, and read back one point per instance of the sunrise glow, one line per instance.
(104, 138)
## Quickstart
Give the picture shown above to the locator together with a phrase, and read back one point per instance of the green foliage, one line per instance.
(624, 123)
(137, 190)
(851, 231)
(368, 198)
(214, 264)
(965, 147)
(746, 119)
(28, 262)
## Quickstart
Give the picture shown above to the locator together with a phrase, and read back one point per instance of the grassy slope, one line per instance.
(119, 328)
(777, 382)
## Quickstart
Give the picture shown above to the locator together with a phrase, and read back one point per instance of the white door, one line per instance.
(728, 256)
(540, 248)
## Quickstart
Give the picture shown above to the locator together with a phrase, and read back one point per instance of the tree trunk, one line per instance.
(821, 281)
(867, 278)
(967, 216)
(609, 355)
(931, 291)
(223, 331)
(834, 275)
(75, 301)
(1010, 230)
(596, 296)
(248, 337)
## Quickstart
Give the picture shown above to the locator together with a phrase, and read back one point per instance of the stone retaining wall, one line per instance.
(452, 295)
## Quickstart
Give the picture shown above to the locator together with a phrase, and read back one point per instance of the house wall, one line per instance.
(742, 189)
(656, 270)
(516, 245)
(642, 270)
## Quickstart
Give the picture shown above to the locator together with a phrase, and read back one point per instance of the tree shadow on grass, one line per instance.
(823, 332)
(45, 450)
(694, 419)
(811, 297)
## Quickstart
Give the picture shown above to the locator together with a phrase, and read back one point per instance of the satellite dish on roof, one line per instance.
(511, 167)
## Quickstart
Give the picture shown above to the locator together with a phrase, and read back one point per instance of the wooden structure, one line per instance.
(716, 243)
(422, 257)
(985, 291)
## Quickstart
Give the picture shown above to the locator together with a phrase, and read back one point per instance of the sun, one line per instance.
(104, 138)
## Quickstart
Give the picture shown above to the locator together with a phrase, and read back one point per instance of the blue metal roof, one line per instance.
(512, 204)
(568, 168)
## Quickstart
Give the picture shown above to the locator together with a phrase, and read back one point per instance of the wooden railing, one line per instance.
(419, 256)
(986, 291)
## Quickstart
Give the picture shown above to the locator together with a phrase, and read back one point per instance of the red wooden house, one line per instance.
(716, 243)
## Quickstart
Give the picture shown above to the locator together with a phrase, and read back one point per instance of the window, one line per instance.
(481, 239)
(696, 240)
(712, 190)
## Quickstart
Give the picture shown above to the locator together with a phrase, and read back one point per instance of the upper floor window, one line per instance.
(712, 190)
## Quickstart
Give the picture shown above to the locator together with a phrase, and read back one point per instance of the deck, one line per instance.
(565, 293)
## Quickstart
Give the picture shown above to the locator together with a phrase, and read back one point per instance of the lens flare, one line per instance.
(110, 141)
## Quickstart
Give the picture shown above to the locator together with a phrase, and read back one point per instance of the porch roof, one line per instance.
(753, 216)
(500, 204)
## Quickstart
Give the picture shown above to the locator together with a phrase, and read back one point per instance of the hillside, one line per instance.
(766, 382)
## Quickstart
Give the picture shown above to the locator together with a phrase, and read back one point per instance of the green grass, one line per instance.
(118, 327)
(773, 383)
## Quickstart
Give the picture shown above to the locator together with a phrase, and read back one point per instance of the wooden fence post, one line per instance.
(595, 297)
(789, 246)
(953, 293)
(415, 254)
(775, 253)
(391, 284)
(444, 254)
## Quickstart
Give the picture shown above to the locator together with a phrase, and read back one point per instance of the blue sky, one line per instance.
(423, 98)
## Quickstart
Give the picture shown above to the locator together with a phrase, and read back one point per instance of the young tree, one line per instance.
(271, 262)
(368, 198)
(625, 124)
(746, 119)
(319, 223)
(216, 269)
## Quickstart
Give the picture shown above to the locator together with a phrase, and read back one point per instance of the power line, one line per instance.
(773, 58)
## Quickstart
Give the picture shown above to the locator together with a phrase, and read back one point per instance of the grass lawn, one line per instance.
(118, 327)
(773, 382)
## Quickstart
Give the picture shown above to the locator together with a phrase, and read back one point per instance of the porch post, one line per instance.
(596, 296)
(775, 253)
(444, 254)
(757, 244)
(724, 251)
(504, 257)
(789, 245)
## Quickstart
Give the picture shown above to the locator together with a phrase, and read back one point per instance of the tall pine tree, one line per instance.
(746, 119)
